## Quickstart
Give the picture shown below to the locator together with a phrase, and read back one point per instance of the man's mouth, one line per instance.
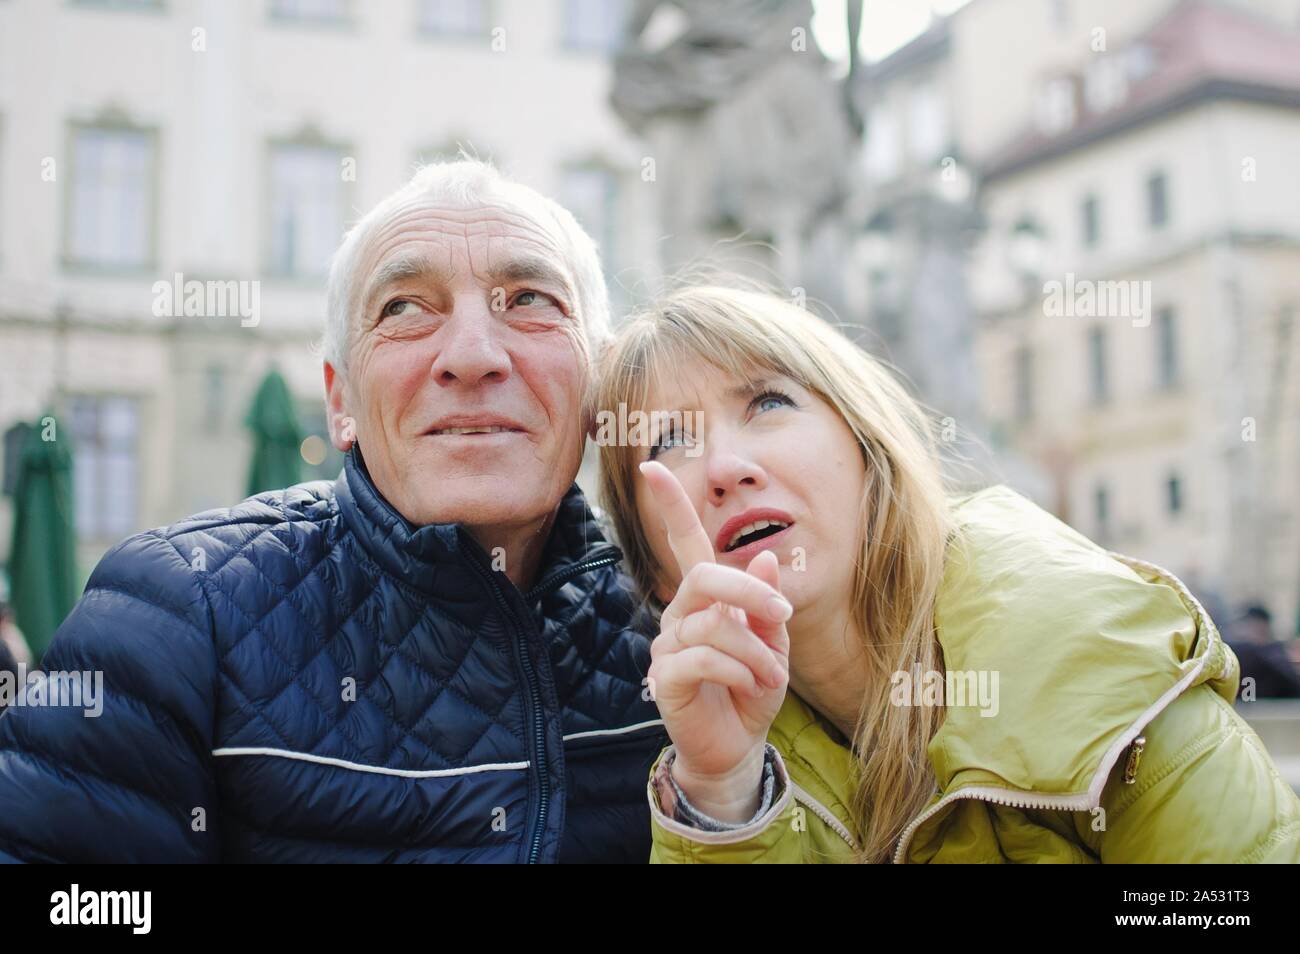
(473, 424)
(471, 430)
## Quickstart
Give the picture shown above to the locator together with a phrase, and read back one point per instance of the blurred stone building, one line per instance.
(1114, 147)
(141, 139)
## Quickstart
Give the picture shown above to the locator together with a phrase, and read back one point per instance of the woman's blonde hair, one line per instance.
(903, 511)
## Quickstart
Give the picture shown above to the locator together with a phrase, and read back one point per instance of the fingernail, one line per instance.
(779, 609)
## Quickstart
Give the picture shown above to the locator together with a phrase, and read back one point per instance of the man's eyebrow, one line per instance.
(403, 268)
(529, 269)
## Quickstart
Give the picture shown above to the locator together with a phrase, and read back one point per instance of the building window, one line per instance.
(111, 207)
(590, 192)
(1157, 200)
(1101, 510)
(927, 124)
(1167, 343)
(594, 25)
(1174, 495)
(1024, 383)
(214, 398)
(1091, 215)
(1058, 105)
(1104, 83)
(1059, 13)
(454, 17)
(883, 151)
(311, 11)
(882, 292)
(308, 200)
(105, 468)
(1098, 376)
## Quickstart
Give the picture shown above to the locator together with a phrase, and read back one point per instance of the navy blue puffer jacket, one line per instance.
(307, 677)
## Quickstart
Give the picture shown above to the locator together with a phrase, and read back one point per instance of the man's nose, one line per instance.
(729, 468)
(469, 347)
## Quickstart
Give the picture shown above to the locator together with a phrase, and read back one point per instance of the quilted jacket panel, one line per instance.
(307, 677)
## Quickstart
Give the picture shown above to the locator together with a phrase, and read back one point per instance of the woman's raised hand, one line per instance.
(720, 664)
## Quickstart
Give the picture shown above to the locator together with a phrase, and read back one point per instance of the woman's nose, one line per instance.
(729, 469)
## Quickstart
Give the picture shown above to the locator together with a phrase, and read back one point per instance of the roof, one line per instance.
(1201, 50)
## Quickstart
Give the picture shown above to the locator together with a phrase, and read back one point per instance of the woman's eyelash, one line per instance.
(658, 444)
(770, 393)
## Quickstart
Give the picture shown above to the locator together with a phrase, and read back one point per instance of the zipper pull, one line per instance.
(1134, 757)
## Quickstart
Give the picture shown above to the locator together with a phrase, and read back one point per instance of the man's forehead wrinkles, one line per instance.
(424, 238)
(466, 222)
(407, 224)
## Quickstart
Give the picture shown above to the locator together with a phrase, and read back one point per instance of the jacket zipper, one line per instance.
(530, 676)
(568, 573)
(1131, 739)
(801, 794)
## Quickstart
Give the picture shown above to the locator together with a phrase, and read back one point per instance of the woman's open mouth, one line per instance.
(745, 534)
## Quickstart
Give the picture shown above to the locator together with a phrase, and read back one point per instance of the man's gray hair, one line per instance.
(462, 184)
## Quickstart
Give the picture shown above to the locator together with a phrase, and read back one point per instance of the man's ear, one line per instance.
(343, 429)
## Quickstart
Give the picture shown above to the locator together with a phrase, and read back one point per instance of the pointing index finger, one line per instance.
(686, 536)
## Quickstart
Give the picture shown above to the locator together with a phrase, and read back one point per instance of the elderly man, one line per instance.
(427, 660)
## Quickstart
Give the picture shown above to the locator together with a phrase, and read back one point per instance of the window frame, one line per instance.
(153, 219)
(313, 140)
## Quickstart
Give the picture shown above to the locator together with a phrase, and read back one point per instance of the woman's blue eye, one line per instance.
(771, 399)
(672, 438)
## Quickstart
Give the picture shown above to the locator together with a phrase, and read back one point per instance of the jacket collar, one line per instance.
(414, 554)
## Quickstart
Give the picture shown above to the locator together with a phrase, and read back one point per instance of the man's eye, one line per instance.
(534, 298)
(399, 307)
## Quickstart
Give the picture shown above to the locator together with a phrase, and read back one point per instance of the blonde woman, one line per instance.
(854, 666)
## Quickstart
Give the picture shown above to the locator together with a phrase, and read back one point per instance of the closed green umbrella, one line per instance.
(42, 557)
(277, 459)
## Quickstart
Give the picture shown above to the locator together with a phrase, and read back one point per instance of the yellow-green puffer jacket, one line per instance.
(1092, 651)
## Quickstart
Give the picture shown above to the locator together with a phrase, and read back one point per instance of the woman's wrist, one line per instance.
(732, 797)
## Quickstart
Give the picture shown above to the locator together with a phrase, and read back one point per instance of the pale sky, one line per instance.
(886, 24)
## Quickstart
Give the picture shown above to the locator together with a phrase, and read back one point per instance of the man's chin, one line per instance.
(483, 502)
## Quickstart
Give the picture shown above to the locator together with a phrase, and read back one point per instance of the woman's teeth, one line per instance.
(754, 527)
